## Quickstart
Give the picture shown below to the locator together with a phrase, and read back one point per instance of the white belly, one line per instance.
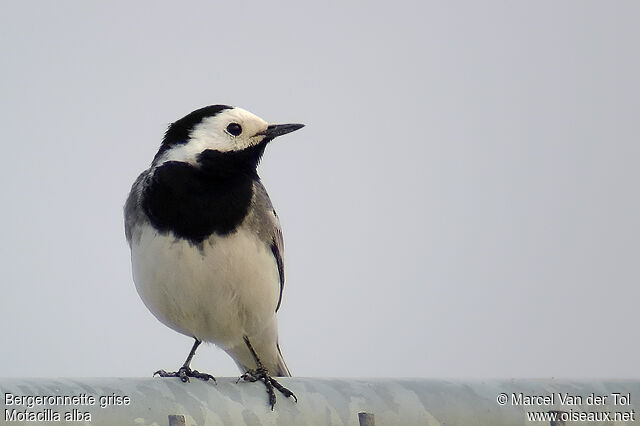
(221, 293)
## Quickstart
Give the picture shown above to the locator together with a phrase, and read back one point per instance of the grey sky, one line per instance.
(463, 201)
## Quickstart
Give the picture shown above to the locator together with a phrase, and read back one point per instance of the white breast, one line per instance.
(220, 292)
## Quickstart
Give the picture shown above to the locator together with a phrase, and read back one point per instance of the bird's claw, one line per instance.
(270, 383)
(184, 373)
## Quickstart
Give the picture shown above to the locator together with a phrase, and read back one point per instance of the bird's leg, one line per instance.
(185, 371)
(261, 373)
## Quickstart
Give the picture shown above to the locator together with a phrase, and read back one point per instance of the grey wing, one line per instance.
(264, 222)
(277, 247)
(133, 214)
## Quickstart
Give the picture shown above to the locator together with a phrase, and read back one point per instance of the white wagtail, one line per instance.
(206, 244)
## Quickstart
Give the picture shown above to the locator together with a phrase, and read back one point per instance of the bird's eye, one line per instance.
(234, 128)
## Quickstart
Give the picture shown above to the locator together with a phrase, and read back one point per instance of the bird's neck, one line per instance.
(196, 202)
(230, 165)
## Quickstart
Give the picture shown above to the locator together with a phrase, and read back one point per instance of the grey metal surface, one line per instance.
(320, 401)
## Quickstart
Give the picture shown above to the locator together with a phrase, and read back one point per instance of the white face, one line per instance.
(217, 134)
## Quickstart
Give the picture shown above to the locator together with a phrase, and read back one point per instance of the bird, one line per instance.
(207, 251)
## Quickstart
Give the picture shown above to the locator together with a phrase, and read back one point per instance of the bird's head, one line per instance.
(217, 129)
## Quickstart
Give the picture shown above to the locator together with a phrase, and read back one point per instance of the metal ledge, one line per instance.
(159, 401)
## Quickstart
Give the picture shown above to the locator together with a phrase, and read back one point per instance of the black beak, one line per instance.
(275, 130)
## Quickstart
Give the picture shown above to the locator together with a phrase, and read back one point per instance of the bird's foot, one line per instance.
(262, 374)
(184, 373)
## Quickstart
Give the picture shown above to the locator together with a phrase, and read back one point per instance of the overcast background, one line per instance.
(462, 203)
